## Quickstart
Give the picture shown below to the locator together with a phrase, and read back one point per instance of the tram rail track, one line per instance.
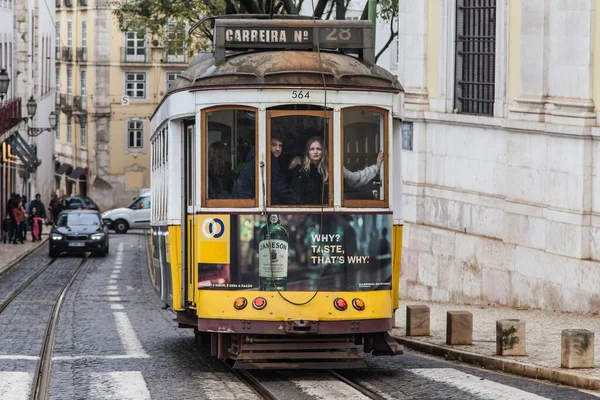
(264, 393)
(25, 285)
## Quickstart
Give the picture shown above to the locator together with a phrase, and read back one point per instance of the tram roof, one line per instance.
(284, 68)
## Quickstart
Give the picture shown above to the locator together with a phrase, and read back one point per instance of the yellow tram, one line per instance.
(276, 195)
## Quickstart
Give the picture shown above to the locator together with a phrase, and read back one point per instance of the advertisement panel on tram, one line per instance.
(302, 252)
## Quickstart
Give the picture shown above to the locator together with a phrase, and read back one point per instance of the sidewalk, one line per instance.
(543, 341)
(10, 254)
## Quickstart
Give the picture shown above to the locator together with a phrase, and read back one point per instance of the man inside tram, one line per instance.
(281, 191)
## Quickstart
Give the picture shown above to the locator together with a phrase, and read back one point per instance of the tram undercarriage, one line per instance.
(301, 345)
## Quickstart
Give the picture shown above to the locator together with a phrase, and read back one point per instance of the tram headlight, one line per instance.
(97, 236)
(56, 236)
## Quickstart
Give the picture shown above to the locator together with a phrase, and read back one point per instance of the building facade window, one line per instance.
(57, 130)
(57, 40)
(83, 89)
(171, 76)
(135, 134)
(69, 33)
(69, 86)
(57, 85)
(474, 90)
(69, 129)
(84, 34)
(135, 85)
(135, 43)
(83, 134)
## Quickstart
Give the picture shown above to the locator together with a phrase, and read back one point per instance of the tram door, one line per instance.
(190, 190)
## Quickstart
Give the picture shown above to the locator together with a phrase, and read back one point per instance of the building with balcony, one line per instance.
(108, 84)
(501, 154)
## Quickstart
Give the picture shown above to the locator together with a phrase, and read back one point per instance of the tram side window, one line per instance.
(300, 170)
(230, 146)
(364, 138)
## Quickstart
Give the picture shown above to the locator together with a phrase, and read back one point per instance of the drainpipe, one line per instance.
(373, 19)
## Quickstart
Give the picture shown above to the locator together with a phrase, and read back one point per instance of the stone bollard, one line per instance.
(417, 320)
(577, 348)
(510, 337)
(459, 327)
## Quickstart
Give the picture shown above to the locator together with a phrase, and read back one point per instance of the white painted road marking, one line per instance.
(15, 385)
(328, 389)
(474, 385)
(130, 341)
(16, 357)
(114, 298)
(117, 307)
(123, 385)
(223, 386)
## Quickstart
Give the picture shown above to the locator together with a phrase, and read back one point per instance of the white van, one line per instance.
(134, 216)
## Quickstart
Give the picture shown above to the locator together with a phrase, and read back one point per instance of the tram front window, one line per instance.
(230, 153)
(364, 138)
(300, 170)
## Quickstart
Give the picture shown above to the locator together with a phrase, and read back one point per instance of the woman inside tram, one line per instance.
(310, 173)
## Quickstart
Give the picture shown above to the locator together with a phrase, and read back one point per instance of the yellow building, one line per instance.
(108, 84)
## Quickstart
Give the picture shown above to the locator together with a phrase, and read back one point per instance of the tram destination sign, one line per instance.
(234, 34)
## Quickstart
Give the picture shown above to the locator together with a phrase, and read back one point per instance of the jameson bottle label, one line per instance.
(273, 255)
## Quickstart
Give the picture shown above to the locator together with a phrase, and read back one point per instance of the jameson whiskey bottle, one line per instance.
(273, 255)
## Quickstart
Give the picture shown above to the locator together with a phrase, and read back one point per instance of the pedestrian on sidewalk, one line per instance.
(19, 214)
(6, 223)
(37, 215)
(26, 226)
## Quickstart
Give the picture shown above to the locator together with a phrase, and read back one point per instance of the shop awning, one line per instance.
(78, 173)
(63, 169)
(21, 149)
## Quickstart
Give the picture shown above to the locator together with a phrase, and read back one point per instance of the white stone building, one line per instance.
(501, 155)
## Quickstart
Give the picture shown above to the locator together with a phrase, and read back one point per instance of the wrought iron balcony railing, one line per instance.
(134, 54)
(81, 54)
(67, 53)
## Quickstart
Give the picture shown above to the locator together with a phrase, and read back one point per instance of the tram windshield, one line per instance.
(364, 138)
(300, 169)
(230, 151)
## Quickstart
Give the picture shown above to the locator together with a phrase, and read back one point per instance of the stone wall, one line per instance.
(500, 214)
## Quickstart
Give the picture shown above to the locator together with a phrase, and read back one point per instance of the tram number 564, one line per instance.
(299, 94)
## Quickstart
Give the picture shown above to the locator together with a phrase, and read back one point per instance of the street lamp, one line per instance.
(4, 82)
(31, 109)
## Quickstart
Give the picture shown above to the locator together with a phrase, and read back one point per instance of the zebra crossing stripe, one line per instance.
(474, 385)
(122, 385)
(15, 385)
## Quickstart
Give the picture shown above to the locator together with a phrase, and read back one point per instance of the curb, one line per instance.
(5, 268)
(504, 365)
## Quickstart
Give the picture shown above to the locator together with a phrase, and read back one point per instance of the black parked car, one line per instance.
(81, 203)
(78, 231)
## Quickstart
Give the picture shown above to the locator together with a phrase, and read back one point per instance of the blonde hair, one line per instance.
(305, 162)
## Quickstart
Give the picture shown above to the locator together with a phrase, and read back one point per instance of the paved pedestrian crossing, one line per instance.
(131, 385)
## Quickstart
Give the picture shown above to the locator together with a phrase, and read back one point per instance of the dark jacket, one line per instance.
(40, 209)
(308, 185)
(281, 191)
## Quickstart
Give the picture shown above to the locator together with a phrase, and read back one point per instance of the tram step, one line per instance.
(302, 365)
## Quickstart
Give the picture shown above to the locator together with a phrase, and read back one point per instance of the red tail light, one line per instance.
(340, 304)
(259, 303)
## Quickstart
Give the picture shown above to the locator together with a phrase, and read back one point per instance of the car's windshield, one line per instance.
(72, 219)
